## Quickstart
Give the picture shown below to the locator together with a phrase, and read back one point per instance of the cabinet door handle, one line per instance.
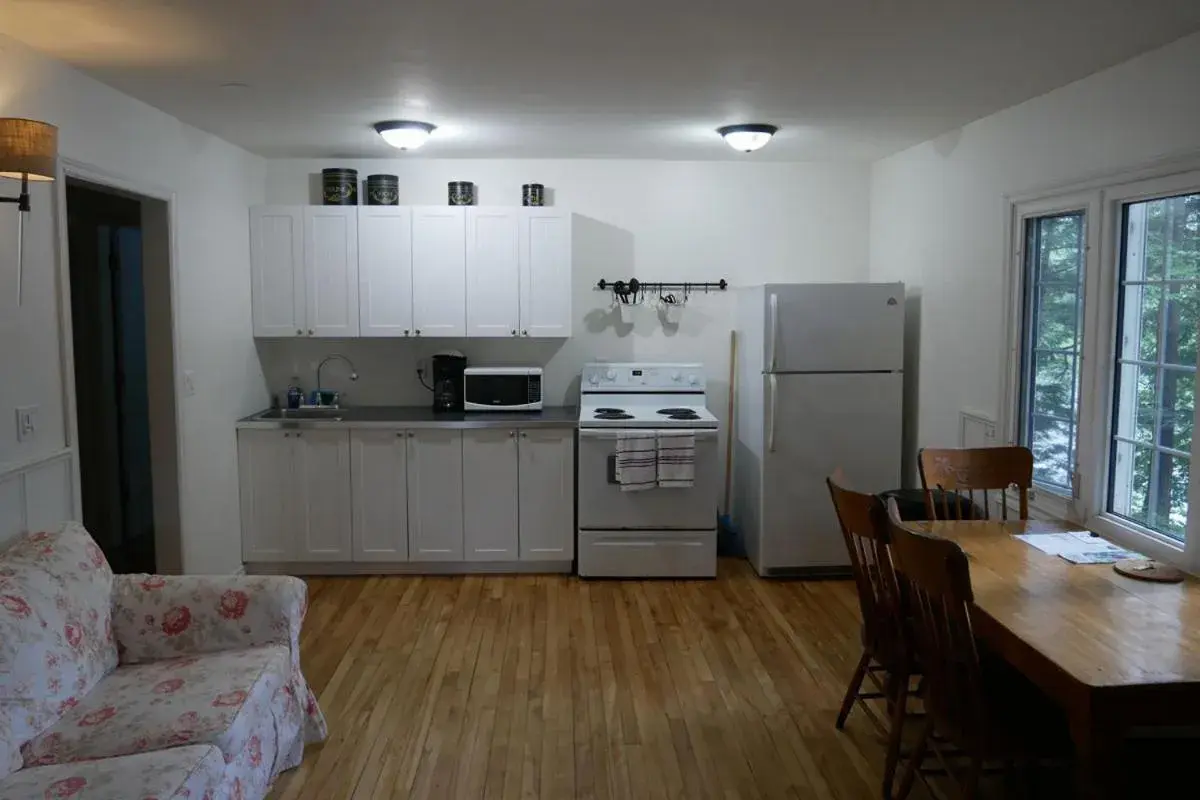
(406, 331)
(512, 434)
(524, 435)
(299, 331)
(298, 435)
(399, 434)
(524, 333)
(514, 333)
(410, 434)
(418, 331)
(310, 331)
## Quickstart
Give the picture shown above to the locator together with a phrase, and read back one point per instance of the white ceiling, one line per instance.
(852, 79)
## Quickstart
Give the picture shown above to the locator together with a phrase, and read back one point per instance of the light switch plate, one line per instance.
(27, 423)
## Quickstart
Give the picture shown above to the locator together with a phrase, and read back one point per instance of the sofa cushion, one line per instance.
(141, 707)
(56, 639)
(193, 772)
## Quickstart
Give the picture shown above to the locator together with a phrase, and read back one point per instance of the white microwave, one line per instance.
(502, 389)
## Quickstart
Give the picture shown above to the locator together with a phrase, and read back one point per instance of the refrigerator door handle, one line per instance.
(771, 418)
(774, 305)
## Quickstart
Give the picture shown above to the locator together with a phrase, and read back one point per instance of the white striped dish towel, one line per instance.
(676, 459)
(637, 460)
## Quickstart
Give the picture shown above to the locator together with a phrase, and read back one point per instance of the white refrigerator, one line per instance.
(820, 386)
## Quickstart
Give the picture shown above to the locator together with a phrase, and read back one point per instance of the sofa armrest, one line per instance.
(157, 617)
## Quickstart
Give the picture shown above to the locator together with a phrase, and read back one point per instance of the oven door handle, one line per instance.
(611, 435)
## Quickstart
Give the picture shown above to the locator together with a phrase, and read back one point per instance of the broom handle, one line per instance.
(729, 426)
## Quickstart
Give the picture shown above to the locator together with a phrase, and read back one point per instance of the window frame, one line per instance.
(1102, 200)
(1047, 500)
(1120, 529)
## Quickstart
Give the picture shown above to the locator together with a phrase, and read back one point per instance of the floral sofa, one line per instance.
(141, 686)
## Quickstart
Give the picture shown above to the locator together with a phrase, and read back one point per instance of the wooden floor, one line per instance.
(553, 687)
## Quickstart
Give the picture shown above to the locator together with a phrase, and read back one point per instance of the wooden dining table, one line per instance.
(1117, 654)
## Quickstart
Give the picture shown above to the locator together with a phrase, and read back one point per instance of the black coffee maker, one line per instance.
(448, 382)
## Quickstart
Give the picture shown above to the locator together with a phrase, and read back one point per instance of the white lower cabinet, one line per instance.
(396, 495)
(490, 513)
(295, 495)
(379, 465)
(547, 494)
(322, 495)
(267, 493)
(435, 489)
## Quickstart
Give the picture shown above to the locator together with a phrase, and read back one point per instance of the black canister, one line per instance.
(383, 190)
(462, 193)
(339, 186)
(533, 194)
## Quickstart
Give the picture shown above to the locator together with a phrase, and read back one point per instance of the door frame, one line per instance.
(72, 168)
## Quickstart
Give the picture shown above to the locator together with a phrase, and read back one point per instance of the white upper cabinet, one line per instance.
(396, 271)
(493, 272)
(331, 270)
(545, 247)
(439, 285)
(277, 270)
(385, 299)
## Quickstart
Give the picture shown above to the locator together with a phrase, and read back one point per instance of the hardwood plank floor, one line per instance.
(553, 687)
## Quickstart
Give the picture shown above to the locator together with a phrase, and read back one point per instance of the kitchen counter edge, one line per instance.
(417, 417)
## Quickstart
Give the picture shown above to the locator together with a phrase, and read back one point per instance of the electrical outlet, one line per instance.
(27, 423)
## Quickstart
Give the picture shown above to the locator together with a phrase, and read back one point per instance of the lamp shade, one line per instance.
(28, 147)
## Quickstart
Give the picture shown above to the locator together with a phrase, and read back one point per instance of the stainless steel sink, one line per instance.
(327, 414)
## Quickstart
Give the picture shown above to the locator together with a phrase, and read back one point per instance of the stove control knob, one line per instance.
(676, 376)
(611, 375)
(693, 380)
(593, 379)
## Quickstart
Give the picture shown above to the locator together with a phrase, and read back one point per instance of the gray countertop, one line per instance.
(417, 417)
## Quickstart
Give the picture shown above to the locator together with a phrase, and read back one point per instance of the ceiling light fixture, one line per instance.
(748, 137)
(28, 152)
(404, 134)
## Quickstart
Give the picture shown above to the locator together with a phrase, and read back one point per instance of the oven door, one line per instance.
(500, 392)
(603, 506)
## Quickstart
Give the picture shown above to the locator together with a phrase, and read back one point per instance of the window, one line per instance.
(1154, 394)
(1102, 374)
(1054, 270)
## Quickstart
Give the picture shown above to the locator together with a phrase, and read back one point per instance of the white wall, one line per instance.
(213, 184)
(746, 222)
(938, 210)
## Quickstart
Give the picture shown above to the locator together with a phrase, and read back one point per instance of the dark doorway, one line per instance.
(112, 331)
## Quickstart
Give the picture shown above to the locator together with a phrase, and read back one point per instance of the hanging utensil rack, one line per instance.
(634, 287)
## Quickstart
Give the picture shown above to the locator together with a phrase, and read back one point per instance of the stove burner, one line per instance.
(685, 415)
(610, 411)
(675, 411)
(613, 415)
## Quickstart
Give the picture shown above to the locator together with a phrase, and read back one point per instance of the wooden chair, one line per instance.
(865, 529)
(974, 703)
(966, 471)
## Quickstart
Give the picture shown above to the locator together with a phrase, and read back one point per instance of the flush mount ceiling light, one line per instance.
(28, 152)
(747, 137)
(404, 134)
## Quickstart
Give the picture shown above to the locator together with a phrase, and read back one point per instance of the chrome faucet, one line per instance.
(320, 387)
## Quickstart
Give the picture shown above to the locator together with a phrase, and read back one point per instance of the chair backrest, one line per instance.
(938, 594)
(968, 470)
(864, 524)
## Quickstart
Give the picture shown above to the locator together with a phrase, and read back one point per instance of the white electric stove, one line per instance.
(664, 532)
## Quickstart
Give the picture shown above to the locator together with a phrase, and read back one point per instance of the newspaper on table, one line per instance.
(1078, 547)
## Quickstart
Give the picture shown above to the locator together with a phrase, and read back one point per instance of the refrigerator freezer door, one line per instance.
(821, 423)
(834, 327)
